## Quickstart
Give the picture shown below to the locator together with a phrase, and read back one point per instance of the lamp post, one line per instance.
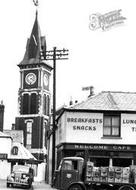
(54, 55)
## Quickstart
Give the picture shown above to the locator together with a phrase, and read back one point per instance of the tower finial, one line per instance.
(36, 3)
(36, 13)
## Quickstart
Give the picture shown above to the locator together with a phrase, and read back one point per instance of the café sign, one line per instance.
(106, 147)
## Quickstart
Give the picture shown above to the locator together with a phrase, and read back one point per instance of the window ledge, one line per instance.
(111, 137)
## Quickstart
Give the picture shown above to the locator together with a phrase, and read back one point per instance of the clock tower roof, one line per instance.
(36, 46)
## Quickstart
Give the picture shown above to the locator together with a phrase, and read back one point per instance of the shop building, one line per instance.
(103, 127)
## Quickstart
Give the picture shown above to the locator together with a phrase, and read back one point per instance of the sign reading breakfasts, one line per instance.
(82, 122)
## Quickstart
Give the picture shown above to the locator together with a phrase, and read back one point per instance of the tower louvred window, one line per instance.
(25, 102)
(47, 105)
(44, 105)
(33, 103)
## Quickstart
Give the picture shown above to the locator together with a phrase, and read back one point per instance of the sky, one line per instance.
(103, 59)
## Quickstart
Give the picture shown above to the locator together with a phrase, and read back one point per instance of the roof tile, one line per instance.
(109, 100)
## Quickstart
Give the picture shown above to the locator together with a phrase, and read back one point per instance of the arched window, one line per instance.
(14, 150)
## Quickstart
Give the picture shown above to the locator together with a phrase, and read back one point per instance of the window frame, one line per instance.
(111, 127)
(29, 134)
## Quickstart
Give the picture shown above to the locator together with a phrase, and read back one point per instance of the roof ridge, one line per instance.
(112, 100)
(119, 92)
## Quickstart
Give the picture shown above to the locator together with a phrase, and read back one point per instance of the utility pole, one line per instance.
(54, 55)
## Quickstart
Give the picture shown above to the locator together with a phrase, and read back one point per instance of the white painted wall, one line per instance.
(40, 172)
(5, 169)
(92, 123)
(128, 128)
(61, 131)
(5, 148)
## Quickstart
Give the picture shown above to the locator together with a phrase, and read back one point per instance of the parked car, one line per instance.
(21, 175)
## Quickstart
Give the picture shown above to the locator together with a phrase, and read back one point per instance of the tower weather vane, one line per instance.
(35, 2)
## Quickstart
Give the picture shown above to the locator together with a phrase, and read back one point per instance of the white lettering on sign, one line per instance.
(121, 148)
(103, 147)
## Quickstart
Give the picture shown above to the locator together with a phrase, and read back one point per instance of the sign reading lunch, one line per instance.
(84, 123)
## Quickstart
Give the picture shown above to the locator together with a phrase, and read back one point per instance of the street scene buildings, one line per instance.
(26, 143)
(103, 126)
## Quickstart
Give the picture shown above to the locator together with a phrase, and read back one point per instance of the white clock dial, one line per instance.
(46, 80)
(30, 78)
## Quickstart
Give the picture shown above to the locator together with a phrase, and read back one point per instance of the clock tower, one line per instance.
(34, 95)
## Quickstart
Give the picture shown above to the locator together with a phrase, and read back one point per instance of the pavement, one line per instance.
(42, 185)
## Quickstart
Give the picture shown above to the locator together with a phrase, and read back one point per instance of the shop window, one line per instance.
(111, 126)
(122, 162)
(98, 162)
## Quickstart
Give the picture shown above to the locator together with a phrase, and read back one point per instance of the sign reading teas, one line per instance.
(84, 123)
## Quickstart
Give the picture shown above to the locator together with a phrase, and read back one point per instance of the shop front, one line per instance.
(100, 154)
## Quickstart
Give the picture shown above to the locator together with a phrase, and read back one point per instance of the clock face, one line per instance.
(45, 79)
(30, 78)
